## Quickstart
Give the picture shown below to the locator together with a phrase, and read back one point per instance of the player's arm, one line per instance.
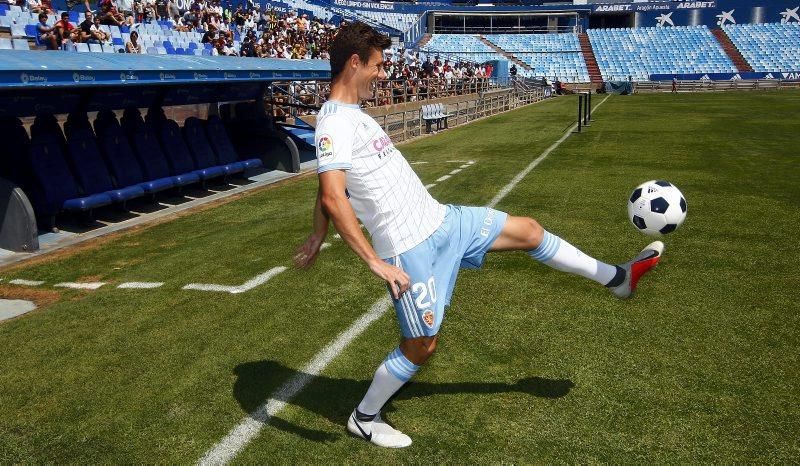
(307, 253)
(334, 202)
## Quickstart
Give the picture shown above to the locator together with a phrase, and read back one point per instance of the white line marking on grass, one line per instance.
(140, 285)
(456, 171)
(80, 286)
(513, 183)
(442, 178)
(466, 165)
(19, 281)
(227, 449)
(246, 286)
(429, 186)
(416, 163)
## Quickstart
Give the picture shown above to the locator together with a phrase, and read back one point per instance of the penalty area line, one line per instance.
(249, 427)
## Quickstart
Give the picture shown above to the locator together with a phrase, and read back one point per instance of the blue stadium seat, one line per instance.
(120, 158)
(152, 159)
(56, 190)
(204, 156)
(174, 146)
(90, 169)
(14, 152)
(219, 141)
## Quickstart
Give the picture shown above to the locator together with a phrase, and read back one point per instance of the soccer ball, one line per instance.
(656, 208)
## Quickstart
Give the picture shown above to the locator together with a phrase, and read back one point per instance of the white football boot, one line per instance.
(638, 266)
(376, 431)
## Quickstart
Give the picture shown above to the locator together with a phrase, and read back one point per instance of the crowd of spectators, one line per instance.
(252, 31)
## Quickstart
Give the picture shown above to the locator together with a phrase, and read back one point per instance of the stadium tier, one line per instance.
(462, 46)
(640, 52)
(768, 47)
(555, 56)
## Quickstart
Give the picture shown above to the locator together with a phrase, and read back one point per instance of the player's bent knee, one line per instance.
(419, 350)
(535, 233)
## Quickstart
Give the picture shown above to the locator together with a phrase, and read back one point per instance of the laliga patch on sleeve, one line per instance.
(325, 146)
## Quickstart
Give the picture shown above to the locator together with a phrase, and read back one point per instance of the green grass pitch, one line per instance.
(534, 366)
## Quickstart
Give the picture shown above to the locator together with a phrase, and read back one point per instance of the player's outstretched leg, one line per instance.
(522, 233)
(638, 266)
(365, 422)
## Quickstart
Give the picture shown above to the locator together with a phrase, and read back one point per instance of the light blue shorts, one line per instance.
(461, 241)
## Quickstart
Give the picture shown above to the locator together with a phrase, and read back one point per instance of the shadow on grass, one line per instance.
(334, 398)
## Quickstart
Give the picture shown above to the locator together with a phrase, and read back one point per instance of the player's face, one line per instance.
(368, 73)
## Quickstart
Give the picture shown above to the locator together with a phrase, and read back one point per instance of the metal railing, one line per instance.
(407, 123)
(711, 86)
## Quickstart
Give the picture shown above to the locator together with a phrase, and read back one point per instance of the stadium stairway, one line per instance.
(733, 53)
(589, 58)
(424, 40)
(508, 55)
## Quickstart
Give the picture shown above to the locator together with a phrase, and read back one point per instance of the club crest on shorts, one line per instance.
(427, 317)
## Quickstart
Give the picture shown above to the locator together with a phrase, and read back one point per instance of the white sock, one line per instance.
(392, 374)
(565, 257)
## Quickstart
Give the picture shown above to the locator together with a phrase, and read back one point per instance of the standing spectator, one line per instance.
(47, 35)
(133, 45)
(172, 9)
(675, 84)
(138, 10)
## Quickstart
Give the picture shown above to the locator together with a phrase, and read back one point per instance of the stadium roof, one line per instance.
(35, 69)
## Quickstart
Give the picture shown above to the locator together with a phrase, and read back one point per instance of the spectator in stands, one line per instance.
(90, 30)
(47, 35)
(172, 9)
(65, 30)
(674, 84)
(109, 15)
(513, 70)
(427, 67)
(138, 10)
(124, 7)
(37, 6)
(210, 36)
(133, 45)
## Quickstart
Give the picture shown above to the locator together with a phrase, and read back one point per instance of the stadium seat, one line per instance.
(201, 150)
(55, 189)
(152, 159)
(90, 169)
(174, 146)
(6, 44)
(767, 47)
(97, 48)
(21, 44)
(81, 47)
(14, 152)
(219, 141)
(120, 158)
(47, 123)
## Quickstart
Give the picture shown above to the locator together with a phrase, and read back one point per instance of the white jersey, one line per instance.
(386, 195)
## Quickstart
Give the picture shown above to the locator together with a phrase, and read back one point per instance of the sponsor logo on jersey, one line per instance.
(427, 317)
(325, 146)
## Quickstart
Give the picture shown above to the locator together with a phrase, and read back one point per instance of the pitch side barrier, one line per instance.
(106, 157)
(715, 86)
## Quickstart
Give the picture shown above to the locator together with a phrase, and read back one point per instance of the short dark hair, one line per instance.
(358, 38)
(42, 15)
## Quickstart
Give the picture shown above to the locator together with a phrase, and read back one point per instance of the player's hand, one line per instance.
(307, 253)
(398, 281)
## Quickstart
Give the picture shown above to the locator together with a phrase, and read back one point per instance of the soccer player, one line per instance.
(418, 244)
